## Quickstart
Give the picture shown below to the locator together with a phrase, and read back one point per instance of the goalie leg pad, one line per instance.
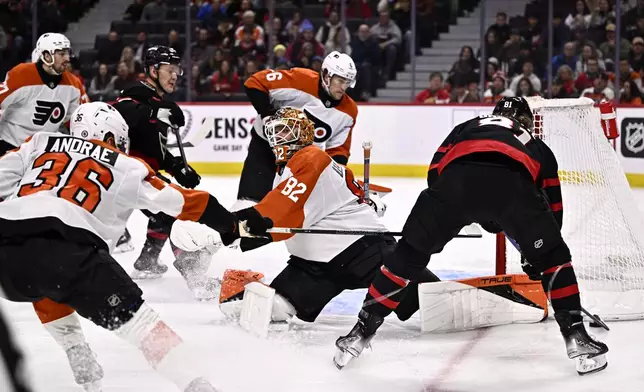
(232, 290)
(480, 302)
(257, 309)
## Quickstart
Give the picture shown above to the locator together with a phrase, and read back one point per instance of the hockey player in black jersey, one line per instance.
(490, 170)
(151, 116)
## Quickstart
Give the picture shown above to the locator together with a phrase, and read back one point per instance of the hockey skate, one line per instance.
(146, 267)
(200, 385)
(88, 373)
(124, 244)
(204, 288)
(193, 266)
(588, 353)
(351, 345)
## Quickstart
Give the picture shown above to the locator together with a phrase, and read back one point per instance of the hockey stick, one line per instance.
(196, 138)
(175, 130)
(471, 231)
(366, 149)
(595, 320)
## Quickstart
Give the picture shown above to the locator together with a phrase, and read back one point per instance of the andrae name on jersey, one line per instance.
(84, 147)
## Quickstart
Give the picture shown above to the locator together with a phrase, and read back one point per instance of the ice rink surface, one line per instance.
(512, 358)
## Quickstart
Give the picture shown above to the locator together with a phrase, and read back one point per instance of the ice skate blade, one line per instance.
(124, 248)
(587, 365)
(342, 358)
(144, 275)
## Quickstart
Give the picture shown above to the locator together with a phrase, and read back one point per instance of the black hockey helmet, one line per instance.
(157, 55)
(516, 108)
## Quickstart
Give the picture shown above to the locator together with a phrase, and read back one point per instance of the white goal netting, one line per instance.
(602, 224)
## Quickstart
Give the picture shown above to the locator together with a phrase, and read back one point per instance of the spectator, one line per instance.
(525, 88)
(225, 81)
(280, 35)
(293, 27)
(110, 51)
(401, 15)
(578, 18)
(224, 36)
(123, 78)
(586, 79)
(636, 55)
(627, 73)
(464, 67)
(636, 30)
(101, 88)
(473, 90)
(238, 16)
(134, 11)
(633, 15)
(251, 68)
(316, 64)
(498, 89)
(211, 13)
(366, 55)
(509, 50)
(332, 35)
(211, 64)
(589, 51)
(294, 49)
(141, 46)
(175, 43)
(279, 52)
(436, 93)
(561, 33)
(460, 93)
(630, 93)
(201, 84)
(501, 27)
(127, 57)
(600, 15)
(490, 70)
(608, 47)
(389, 38)
(600, 90)
(200, 49)
(568, 58)
(528, 73)
(566, 76)
(493, 48)
(532, 32)
(558, 90)
(527, 53)
(155, 11)
(50, 18)
(249, 38)
(358, 9)
(306, 56)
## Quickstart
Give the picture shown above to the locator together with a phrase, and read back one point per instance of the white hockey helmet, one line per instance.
(100, 121)
(50, 42)
(340, 64)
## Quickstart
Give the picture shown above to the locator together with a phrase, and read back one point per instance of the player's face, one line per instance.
(338, 86)
(61, 60)
(168, 75)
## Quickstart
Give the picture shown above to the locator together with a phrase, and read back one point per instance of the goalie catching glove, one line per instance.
(250, 224)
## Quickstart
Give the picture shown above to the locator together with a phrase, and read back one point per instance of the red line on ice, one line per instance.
(434, 385)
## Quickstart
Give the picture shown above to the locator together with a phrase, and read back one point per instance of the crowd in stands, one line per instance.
(584, 61)
(232, 39)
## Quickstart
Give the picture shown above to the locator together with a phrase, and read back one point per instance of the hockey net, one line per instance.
(602, 224)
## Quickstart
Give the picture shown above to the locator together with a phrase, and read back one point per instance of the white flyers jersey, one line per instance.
(314, 191)
(28, 105)
(298, 88)
(87, 185)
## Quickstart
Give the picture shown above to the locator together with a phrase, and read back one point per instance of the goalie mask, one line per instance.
(288, 131)
(516, 108)
(100, 121)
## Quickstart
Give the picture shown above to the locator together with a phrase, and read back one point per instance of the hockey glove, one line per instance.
(251, 224)
(186, 176)
(377, 204)
(169, 113)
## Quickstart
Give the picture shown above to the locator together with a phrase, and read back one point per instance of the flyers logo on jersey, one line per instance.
(48, 111)
(322, 130)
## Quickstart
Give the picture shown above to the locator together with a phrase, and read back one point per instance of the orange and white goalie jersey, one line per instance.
(299, 88)
(28, 105)
(314, 191)
(86, 185)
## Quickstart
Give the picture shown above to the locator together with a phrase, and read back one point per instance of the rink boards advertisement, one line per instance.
(404, 137)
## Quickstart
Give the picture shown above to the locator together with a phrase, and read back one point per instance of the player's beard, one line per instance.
(60, 68)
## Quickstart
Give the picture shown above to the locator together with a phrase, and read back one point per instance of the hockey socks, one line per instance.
(560, 285)
(385, 293)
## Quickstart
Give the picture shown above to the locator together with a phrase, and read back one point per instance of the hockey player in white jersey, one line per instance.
(39, 96)
(66, 202)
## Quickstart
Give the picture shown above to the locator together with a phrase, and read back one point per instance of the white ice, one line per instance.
(510, 358)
